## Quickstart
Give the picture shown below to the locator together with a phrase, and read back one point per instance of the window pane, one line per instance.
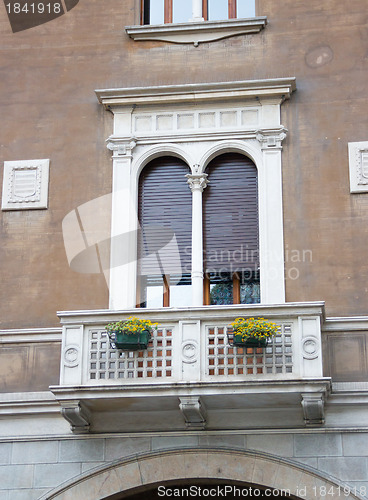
(180, 295)
(157, 12)
(154, 296)
(218, 10)
(182, 11)
(245, 8)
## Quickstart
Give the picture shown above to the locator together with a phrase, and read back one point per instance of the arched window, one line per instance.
(231, 231)
(164, 245)
(179, 11)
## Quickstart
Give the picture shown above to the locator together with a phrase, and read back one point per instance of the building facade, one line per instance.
(189, 164)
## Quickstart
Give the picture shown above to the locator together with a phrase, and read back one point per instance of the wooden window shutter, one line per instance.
(230, 206)
(165, 212)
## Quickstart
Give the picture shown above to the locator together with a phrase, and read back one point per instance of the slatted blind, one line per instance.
(165, 216)
(230, 208)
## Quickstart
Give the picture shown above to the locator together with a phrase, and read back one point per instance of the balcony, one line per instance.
(190, 377)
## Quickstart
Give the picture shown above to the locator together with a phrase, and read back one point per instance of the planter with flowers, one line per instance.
(252, 332)
(132, 334)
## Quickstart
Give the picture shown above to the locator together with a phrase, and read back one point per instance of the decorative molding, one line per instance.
(25, 185)
(349, 386)
(76, 413)
(197, 32)
(313, 409)
(344, 324)
(358, 166)
(197, 182)
(28, 403)
(310, 347)
(220, 119)
(194, 412)
(30, 335)
(271, 139)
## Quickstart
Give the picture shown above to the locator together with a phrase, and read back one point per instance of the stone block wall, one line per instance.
(29, 469)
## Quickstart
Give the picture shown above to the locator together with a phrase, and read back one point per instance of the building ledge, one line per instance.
(197, 32)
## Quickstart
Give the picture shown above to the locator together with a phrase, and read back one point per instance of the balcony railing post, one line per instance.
(71, 355)
(189, 332)
(310, 347)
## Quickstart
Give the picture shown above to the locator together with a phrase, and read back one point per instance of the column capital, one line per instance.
(197, 182)
(121, 147)
(271, 139)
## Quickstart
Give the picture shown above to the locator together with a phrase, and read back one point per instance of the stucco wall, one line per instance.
(48, 77)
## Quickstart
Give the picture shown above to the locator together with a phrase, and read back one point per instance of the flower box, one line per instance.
(126, 341)
(251, 332)
(239, 341)
(132, 334)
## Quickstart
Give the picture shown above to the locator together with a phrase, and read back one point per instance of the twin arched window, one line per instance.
(230, 233)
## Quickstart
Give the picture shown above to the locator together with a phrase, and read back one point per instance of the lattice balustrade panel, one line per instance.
(224, 359)
(106, 363)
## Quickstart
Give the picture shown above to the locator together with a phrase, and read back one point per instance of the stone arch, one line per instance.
(169, 149)
(246, 148)
(144, 471)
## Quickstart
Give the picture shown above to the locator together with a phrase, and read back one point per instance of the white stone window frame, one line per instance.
(133, 149)
(197, 30)
(29, 193)
(358, 166)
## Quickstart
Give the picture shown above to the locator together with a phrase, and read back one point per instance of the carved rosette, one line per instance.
(189, 351)
(310, 347)
(197, 182)
(72, 356)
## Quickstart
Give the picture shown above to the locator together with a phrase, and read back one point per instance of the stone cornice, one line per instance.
(104, 316)
(197, 32)
(30, 335)
(250, 90)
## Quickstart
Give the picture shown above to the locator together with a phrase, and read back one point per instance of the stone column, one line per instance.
(123, 246)
(271, 237)
(197, 183)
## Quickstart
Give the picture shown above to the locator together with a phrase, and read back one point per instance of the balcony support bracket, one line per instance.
(194, 412)
(313, 409)
(76, 413)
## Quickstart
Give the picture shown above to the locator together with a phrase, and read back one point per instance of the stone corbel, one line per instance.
(194, 412)
(76, 413)
(121, 147)
(271, 139)
(313, 409)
